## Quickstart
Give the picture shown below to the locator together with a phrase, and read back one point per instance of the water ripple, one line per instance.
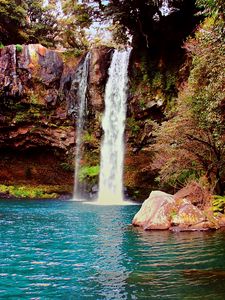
(66, 250)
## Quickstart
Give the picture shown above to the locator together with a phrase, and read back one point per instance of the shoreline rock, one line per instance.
(162, 211)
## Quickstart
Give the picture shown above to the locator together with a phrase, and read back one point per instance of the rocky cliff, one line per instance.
(37, 126)
(38, 116)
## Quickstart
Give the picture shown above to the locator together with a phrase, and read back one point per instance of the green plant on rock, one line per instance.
(142, 103)
(28, 192)
(218, 203)
(88, 172)
(133, 125)
(66, 166)
(170, 83)
(20, 117)
(157, 81)
(34, 99)
(19, 48)
(87, 137)
(3, 189)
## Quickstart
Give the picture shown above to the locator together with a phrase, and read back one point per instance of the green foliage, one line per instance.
(133, 125)
(1, 46)
(88, 172)
(192, 142)
(27, 192)
(212, 6)
(67, 167)
(87, 137)
(157, 81)
(27, 22)
(3, 189)
(19, 48)
(73, 27)
(182, 177)
(218, 204)
(142, 103)
(12, 20)
(20, 117)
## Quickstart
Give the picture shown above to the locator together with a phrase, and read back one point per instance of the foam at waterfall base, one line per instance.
(104, 202)
(77, 199)
(110, 202)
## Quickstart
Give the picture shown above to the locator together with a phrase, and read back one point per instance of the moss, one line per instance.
(88, 172)
(34, 192)
(27, 113)
(87, 137)
(1, 45)
(71, 57)
(19, 48)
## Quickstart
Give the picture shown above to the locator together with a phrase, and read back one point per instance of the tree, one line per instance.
(42, 23)
(77, 18)
(26, 22)
(192, 142)
(12, 22)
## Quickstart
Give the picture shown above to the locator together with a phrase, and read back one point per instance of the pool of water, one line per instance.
(69, 250)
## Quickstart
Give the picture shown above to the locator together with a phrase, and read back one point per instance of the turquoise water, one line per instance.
(68, 250)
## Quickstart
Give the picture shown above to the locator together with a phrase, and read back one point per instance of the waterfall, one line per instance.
(113, 124)
(81, 81)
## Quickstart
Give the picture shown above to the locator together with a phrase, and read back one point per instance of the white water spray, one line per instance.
(113, 123)
(82, 81)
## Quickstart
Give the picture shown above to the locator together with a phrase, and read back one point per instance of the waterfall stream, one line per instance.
(113, 124)
(82, 84)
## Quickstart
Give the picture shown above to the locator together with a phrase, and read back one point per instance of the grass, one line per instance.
(34, 192)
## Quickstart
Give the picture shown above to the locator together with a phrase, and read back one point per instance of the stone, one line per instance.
(155, 212)
(195, 193)
(188, 215)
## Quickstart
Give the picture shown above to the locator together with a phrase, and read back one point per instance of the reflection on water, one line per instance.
(70, 250)
(110, 271)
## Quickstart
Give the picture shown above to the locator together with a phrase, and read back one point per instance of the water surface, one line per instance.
(68, 250)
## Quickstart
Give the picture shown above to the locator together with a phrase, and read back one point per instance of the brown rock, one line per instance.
(220, 219)
(100, 61)
(202, 226)
(42, 50)
(155, 212)
(188, 214)
(195, 193)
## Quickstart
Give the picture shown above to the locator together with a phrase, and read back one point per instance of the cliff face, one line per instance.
(38, 117)
(37, 129)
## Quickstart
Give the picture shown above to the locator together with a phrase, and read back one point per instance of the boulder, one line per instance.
(155, 212)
